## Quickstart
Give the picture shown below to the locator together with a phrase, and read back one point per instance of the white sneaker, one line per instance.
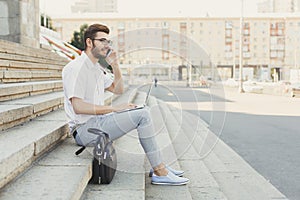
(169, 179)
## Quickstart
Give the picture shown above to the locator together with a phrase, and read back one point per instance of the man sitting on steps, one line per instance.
(84, 84)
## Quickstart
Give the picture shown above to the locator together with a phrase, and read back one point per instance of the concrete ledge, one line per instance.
(9, 113)
(19, 65)
(23, 144)
(59, 175)
(18, 49)
(228, 168)
(169, 154)
(22, 76)
(22, 58)
(17, 111)
(12, 91)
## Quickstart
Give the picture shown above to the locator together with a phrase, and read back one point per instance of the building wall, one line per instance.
(90, 6)
(20, 21)
(278, 6)
(269, 42)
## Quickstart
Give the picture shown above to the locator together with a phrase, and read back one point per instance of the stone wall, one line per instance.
(19, 21)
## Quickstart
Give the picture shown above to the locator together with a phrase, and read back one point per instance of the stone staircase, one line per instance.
(37, 159)
(31, 121)
(23, 64)
(36, 152)
(220, 174)
(214, 169)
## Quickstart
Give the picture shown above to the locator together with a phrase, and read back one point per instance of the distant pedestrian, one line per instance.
(155, 82)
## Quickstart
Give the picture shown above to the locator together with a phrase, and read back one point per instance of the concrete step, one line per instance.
(58, 175)
(229, 169)
(169, 157)
(30, 59)
(13, 76)
(199, 136)
(12, 91)
(18, 111)
(32, 64)
(23, 144)
(202, 184)
(19, 49)
(129, 180)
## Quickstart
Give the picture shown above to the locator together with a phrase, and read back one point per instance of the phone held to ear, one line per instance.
(103, 61)
(108, 52)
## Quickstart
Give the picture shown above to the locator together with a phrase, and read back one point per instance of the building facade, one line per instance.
(95, 6)
(270, 49)
(278, 6)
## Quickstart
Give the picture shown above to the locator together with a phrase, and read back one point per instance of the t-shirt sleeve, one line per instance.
(74, 85)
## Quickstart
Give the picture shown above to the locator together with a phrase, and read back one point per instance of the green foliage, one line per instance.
(78, 37)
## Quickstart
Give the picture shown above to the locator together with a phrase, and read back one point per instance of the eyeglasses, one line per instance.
(104, 41)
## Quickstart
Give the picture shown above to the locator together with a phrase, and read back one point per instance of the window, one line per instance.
(273, 54)
(121, 25)
(165, 24)
(280, 54)
(228, 48)
(228, 33)
(228, 25)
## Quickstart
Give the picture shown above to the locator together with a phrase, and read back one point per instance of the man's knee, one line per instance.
(144, 115)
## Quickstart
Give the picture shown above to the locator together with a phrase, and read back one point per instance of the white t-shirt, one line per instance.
(85, 80)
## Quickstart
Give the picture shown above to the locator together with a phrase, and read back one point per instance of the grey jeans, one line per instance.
(117, 125)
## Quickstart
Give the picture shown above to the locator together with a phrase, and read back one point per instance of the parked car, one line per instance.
(295, 89)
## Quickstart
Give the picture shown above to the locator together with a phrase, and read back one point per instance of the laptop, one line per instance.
(142, 105)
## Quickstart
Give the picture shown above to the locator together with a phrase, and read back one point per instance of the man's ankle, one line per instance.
(160, 170)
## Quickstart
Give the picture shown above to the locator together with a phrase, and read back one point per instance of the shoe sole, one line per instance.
(180, 175)
(159, 183)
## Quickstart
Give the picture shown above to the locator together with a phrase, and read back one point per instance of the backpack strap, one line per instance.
(79, 151)
(94, 131)
(97, 132)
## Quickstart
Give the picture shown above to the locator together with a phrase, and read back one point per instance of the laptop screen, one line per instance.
(148, 94)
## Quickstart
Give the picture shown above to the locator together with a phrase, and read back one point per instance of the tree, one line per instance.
(78, 37)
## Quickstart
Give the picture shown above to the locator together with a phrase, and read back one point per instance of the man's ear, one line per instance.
(89, 42)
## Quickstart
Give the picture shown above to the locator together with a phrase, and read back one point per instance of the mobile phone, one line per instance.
(103, 62)
(108, 52)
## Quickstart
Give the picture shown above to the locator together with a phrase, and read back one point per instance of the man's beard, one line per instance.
(96, 53)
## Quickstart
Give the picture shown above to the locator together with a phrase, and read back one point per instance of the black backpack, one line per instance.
(104, 160)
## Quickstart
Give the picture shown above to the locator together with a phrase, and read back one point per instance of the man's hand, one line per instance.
(117, 86)
(111, 59)
(81, 107)
(124, 106)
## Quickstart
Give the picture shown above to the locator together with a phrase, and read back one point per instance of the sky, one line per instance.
(161, 8)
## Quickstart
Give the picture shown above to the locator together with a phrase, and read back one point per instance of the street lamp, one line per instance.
(241, 90)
